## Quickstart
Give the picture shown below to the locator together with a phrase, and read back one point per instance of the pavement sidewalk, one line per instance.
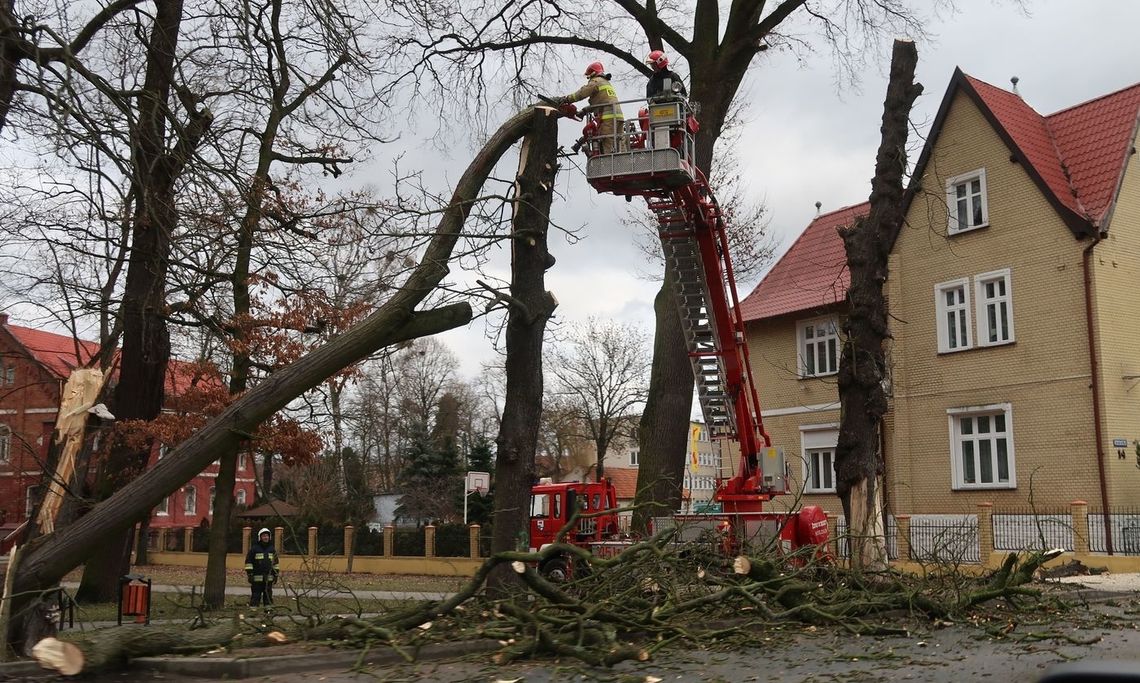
(243, 590)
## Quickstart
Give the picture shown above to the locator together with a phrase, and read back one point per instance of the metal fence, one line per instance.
(1033, 530)
(944, 538)
(1125, 525)
(842, 536)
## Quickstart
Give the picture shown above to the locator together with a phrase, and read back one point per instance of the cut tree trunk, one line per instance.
(862, 362)
(111, 647)
(50, 557)
(529, 307)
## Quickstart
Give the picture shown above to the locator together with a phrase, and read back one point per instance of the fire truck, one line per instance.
(654, 158)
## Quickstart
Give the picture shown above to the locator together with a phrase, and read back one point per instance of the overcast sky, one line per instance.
(808, 137)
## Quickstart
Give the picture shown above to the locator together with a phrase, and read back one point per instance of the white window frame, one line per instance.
(28, 493)
(10, 375)
(802, 341)
(954, 416)
(213, 495)
(190, 500)
(5, 443)
(952, 201)
(163, 509)
(241, 462)
(633, 457)
(240, 497)
(943, 310)
(981, 303)
(815, 438)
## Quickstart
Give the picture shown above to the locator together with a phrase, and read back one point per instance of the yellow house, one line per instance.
(1014, 297)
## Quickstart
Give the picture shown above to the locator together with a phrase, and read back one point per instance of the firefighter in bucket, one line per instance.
(603, 108)
(261, 569)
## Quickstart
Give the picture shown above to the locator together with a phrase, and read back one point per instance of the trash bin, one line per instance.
(134, 598)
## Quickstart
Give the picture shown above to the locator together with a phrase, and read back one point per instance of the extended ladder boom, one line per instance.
(657, 163)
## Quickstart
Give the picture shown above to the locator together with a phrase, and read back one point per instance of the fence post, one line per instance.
(832, 540)
(349, 532)
(389, 540)
(161, 539)
(245, 537)
(429, 540)
(902, 536)
(473, 540)
(279, 540)
(1079, 518)
(312, 541)
(187, 539)
(985, 532)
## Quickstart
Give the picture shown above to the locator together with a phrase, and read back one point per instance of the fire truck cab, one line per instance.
(551, 507)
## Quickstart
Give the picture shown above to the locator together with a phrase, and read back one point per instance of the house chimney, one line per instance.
(1014, 81)
(818, 206)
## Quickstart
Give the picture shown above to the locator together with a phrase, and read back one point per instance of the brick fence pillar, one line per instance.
(279, 540)
(187, 539)
(349, 537)
(473, 540)
(1079, 514)
(985, 532)
(389, 541)
(902, 536)
(429, 540)
(312, 541)
(246, 533)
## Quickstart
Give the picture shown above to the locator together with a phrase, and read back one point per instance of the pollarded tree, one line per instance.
(601, 372)
(446, 51)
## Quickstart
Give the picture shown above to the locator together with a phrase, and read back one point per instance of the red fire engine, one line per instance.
(655, 159)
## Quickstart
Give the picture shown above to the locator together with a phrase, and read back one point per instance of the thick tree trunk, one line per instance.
(862, 362)
(46, 561)
(214, 588)
(146, 339)
(529, 309)
(111, 647)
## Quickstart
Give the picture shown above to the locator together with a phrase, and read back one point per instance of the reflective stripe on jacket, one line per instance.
(261, 560)
(601, 93)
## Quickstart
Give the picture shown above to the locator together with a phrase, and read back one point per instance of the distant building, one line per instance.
(33, 368)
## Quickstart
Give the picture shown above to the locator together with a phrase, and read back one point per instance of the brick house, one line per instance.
(33, 368)
(1015, 360)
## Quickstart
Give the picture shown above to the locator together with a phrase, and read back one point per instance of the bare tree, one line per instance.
(448, 50)
(862, 362)
(601, 373)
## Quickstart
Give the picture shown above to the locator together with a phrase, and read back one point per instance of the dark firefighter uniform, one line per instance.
(604, 102)
(261, 569)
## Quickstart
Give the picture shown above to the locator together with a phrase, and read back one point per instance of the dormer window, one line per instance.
(966, 200)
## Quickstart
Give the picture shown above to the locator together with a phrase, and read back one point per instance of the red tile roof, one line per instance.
(56, 352)
(61, 354)
(624, 480)
(1076, 156)
(812, 274)
(1078, 152)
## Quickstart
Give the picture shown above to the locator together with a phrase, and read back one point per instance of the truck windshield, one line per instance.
(540, 505)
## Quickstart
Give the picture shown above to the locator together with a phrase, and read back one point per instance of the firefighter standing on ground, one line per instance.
(664, 81)
(604, 103)
(261, 569)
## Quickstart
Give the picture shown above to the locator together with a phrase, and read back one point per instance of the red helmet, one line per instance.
(657, 60)
(594, 69)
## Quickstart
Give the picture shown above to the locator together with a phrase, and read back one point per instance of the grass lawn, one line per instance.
(193, 576)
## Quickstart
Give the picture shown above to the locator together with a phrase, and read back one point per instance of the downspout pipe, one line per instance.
(1094, 370)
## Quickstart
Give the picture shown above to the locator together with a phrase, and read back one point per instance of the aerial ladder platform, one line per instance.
(654, 157)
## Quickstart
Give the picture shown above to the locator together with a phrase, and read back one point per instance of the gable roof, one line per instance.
(813, 272)
(1076, 156)
(57, 353)
(624, 480)
(60, 354)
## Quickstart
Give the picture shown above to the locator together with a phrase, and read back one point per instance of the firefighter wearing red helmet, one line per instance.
(664, 82)
(604, 104)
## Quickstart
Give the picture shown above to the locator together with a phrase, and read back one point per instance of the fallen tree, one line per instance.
(47, 559)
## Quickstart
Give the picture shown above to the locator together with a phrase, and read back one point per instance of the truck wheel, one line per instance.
(556, 570)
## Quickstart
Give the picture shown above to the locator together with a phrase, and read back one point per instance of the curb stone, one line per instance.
(252, 667)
